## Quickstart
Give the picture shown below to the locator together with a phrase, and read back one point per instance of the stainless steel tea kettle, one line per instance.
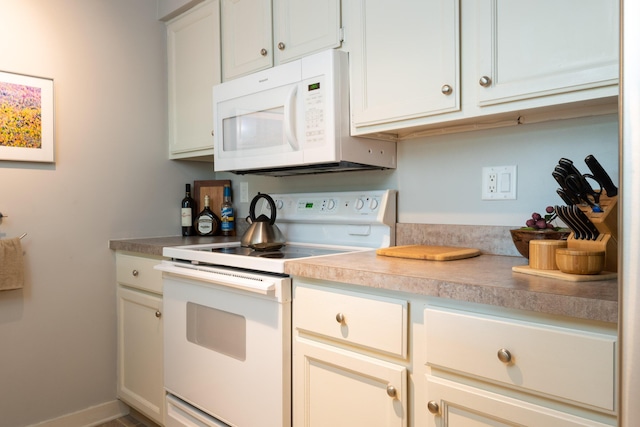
(263, 234)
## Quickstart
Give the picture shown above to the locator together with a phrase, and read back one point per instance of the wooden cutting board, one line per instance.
(432, 253)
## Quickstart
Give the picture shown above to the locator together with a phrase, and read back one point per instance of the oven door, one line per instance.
(227, 343)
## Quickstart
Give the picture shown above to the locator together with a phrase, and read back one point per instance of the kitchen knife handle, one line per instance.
(601, 175)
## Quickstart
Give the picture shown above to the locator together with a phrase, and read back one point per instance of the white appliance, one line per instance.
(292, 119)
(227, 309)
(629, 268)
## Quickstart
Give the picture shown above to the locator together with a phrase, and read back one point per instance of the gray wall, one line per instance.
(112, 179)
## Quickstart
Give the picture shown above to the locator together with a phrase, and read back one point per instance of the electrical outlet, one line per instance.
(244, 192)
(499, 183)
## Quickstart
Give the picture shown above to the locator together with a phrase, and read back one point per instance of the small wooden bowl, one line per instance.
(573, 261)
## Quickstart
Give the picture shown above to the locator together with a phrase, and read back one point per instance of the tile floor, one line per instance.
(128, 421)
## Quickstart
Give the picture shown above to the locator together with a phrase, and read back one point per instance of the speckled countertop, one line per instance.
(154, 245)
(486, 279)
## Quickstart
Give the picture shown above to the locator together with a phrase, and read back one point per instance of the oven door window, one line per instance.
(217, 330)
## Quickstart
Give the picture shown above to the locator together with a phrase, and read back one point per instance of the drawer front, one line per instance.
(138, 272)
(374, 322)
(560, 362)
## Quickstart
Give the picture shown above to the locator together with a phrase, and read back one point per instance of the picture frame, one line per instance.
(26, 118)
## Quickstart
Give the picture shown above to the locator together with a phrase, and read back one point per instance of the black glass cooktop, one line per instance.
(285, 252)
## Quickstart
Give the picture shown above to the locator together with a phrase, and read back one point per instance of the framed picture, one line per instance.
(26, 118)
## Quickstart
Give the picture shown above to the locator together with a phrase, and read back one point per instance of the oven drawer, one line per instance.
(138, 272)
(363, 320)
(557, 361)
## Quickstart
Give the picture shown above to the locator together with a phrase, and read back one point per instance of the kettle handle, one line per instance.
(272, 205)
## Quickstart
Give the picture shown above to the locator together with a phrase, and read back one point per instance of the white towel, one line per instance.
(11, 264)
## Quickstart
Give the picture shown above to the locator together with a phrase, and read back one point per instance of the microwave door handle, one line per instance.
(289, 119)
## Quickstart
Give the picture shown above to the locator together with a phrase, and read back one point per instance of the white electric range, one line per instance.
(227, 309)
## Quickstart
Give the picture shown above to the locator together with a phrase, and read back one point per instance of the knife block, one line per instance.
(607, 224)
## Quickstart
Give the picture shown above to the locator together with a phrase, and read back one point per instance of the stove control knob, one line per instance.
(279, 204)
(359, 204)
(331, 204)
(374, 204)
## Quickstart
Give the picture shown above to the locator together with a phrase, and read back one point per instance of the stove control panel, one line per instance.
(377, 206)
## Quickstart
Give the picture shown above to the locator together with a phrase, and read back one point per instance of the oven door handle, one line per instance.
(262, 286)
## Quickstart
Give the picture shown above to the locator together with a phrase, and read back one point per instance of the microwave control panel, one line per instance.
(314, 110)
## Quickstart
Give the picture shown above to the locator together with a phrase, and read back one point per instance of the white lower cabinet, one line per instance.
(485, 369)
(342, 374)
(339, 388)
(453, 404)
(371, 357)
(140, 330)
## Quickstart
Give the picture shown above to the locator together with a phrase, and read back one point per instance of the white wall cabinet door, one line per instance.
(452, 404)
(404, 59)
(533, 49)
(193, 44)
(140, 372)
(302, 27)
(338, 388)
(259, 34)
(246, 37)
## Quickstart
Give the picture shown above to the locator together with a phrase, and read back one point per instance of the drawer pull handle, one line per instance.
(134, 273)
(433, 407)
(158, 314)
(504, 356)
(391, 391)
(340, 318)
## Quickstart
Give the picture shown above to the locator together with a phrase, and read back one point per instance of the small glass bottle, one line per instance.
(188, 212)
(206, 223)
(227, 217)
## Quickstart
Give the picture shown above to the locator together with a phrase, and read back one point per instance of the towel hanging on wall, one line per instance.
(11, 264)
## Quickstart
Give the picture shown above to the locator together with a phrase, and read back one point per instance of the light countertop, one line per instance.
(486, 279)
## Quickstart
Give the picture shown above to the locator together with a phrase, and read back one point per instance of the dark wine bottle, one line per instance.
(227, 217)
(188, 212)
(206, 223)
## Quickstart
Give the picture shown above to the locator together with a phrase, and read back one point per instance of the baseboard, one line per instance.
(89, 417)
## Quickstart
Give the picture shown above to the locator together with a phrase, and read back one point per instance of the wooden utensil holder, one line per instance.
(607, 224)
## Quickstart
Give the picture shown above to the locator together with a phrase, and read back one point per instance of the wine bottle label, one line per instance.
(204, 225)
(186, 217)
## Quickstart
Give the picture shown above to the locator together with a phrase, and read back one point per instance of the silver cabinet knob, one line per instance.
(158, 314)
(447, 90)
(391, 391)
(485, 81)
(433, 407)
(263, 52)
(504, 356)
(211, 133)
(134, 273)
(281, 46)
(340, 318)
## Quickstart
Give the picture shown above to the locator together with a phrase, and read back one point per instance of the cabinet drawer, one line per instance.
(374, 322)
(138, 272)
(556, 361)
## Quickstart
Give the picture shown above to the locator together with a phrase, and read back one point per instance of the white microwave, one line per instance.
(292, 119)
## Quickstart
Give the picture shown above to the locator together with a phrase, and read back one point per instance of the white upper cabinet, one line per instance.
(246, 37)
(531, 49)
(430, 67)
(258, 34)
(193, 45)
(404, 59)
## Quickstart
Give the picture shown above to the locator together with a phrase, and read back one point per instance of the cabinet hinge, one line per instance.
(341, 34)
